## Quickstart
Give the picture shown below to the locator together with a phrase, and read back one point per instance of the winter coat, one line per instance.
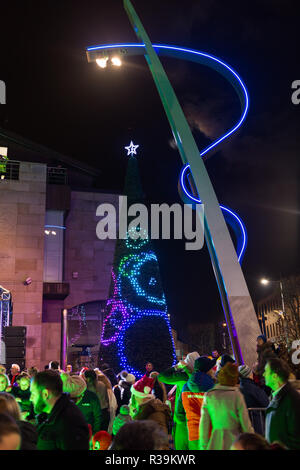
(224, 416)
(283, 418)
(122, 393)
(255, 397)
(65, 428)
(24, 395)
(90, 407)
(191, 399)
(155, 410)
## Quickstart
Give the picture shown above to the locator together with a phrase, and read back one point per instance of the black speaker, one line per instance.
(13, 341)
(15, 352)
(15, 345)
(15, 331)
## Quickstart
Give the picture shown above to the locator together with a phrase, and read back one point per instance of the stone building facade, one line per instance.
(48, 224)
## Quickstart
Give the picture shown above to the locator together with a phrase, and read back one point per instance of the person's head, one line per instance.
(228, 375)
(23, 381)
(10, 436)
(215, 354)
(54, 365)
(261, 339)
(225, 358)
(90, 376)
(101, 440)
(276, 373)
(205, 364)
(4, 382)
(130, 379)
(2, 369)
(15, 369)
(140, 393)
(9, 405)
(141, 435)
(32, 371)
(245, 372)
(250, 441)
(45, 389)
(149, 367)
(190, 359)
(69, 368)
(75, 385)
(123, 374)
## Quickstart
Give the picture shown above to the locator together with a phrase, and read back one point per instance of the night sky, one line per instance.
(56, 98)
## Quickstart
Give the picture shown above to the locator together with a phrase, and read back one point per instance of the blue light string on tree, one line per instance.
(121, 343)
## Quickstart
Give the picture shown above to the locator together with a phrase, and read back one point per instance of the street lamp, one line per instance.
(281, 313)
(103, 61)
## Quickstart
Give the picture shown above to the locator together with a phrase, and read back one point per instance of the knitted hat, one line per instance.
(190, 359)
(228, 375)
(204, 364)
(130, 378)
(245, 371)
(224, 359)
(73, 384)
(123, 374)
(142, 388)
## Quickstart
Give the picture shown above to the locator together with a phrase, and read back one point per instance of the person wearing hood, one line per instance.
(144, 405)
(224, 414)
(178, 375)
(192, 395)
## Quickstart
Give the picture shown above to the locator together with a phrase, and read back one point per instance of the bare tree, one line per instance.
(290, 319)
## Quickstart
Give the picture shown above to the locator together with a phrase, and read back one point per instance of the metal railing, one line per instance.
(258, 417)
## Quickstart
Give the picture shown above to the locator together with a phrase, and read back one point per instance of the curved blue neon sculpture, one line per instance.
(224, 69)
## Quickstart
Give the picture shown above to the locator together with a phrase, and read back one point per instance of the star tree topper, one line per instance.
(131, 149)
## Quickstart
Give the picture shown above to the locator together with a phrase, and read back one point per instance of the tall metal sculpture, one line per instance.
(236, 301)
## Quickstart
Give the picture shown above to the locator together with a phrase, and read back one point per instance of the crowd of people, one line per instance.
(204, 402)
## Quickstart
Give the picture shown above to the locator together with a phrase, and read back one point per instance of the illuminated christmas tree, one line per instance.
(136, 327)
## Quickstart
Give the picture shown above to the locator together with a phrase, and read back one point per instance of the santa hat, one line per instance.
(143, 387)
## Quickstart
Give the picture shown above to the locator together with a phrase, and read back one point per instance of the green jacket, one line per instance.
(283, 418)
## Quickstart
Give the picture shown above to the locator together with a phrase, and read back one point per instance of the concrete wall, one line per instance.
(85, 254)
(22, 219)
